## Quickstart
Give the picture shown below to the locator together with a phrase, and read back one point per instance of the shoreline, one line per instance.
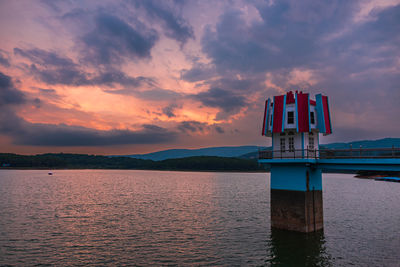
(180, 170)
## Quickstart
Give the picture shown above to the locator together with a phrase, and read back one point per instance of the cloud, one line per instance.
(51, 68)
(230, 94)
(23, 132)
(170, 110)
(37, 103)
(286, 35)
(191, 126)
(36, 134)
(219, 129)
(288, 45)
(45, 91)
(150, 94)
(174, 25)
(52, 4)
(44, 58)
(4, 59)
(9, 95)
(113, 41)
(220, 98)
(59, 75)
(198, 72)
(117, 77)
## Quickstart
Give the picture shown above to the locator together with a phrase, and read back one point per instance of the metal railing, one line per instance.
(330, 153)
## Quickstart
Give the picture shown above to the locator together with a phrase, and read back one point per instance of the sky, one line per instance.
(127, 77)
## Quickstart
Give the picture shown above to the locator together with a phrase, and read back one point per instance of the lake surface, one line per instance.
(124, 217)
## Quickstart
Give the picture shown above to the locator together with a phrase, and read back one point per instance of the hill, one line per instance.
(380, 143)
(251, 152)
(234, 151)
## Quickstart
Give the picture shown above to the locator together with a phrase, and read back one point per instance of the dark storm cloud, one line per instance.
(44, 58)
(9, 95)
(219, 129)
(220, 98)
(37, 134)
(199, 72)
(243, 86)
(170, 110)
(373, 45)
(152, 94)
(350, 62)
(112, 41)
(37, 102)
(191, 126)
(3, 59)
(45, 91)
(174, 25)
(229, 94)
(51, 68)
(114, 76)
(54, 5)
(315, 35)
(59, 75)
(287, 36)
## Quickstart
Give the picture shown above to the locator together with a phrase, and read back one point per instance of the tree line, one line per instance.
(83, 161)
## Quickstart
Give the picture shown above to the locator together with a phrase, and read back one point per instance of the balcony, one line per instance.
(359, 153)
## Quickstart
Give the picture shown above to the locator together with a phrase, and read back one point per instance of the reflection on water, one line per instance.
(288, 248)
(150, 218)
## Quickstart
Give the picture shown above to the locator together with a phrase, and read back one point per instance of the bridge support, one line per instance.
(296, 197)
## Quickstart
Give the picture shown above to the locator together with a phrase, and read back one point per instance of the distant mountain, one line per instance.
(380, 143)
(253, 155)
(230, 151)
(251, 152)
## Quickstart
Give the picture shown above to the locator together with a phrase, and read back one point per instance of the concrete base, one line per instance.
(300, 211)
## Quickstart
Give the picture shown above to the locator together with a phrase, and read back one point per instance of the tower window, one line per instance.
(290, 117)
(311, 142)
(291, 144)
(312, 117)
(283, 145)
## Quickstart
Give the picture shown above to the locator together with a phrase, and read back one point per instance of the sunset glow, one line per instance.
(110, 77)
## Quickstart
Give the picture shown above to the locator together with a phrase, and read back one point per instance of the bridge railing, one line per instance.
(330, 153)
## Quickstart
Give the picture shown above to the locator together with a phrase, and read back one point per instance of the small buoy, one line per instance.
(50, 173)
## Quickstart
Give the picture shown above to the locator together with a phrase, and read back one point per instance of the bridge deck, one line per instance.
(380, 159)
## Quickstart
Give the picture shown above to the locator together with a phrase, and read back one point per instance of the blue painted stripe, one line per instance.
(309, 113)
(272, 112)
(268, 116)
(294, 177)
(320, 114)
(284, 113)
(360, 164)
(296, 114)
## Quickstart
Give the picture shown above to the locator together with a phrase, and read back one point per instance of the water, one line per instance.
(119, 217)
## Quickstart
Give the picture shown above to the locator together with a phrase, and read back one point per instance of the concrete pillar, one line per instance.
(296, 197)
